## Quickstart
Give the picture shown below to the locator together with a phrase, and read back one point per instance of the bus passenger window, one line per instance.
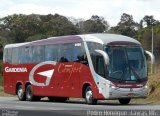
(66, 52)
(28, 54)
(23, 58)
(51, 52)
(79, 54)
(15, 56)
(5, 56)
(38, 54)
(24, 55)
(9, 56)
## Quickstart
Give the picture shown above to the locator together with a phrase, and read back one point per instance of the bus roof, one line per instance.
(108, 38)
(15, 45)
(99, 38)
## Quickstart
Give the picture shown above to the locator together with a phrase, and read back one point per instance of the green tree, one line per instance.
(57, 25)
(3, 42)
(145, 35)
(127, 26)
(21, 28)
(95, 24)
(149, 21)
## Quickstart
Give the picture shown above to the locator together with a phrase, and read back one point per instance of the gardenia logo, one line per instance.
(23, 69)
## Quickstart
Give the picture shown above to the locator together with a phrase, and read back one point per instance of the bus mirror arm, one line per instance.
(151, 56)
(105, 56)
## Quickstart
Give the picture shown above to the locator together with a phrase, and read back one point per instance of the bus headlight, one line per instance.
(113, 86)
(146, 86)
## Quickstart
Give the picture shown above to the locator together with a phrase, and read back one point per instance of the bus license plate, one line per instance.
(131, 94)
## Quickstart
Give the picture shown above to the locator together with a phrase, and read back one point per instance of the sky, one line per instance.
(111, 10)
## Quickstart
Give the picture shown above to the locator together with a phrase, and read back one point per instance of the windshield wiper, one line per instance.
(134, 72)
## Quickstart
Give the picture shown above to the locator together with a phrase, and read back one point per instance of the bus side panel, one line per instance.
(7, 82)
(64, 82)
(13, 74)
(67, 81)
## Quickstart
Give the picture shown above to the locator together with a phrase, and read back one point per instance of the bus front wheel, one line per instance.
(124, 101)
(89, 96)
(21, 93)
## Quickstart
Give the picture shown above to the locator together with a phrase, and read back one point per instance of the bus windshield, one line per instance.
(127, 63)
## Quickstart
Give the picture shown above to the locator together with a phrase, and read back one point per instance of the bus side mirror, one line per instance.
(105, 56)
(151, 56)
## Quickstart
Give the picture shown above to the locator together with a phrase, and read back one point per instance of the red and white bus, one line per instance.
(90, 66)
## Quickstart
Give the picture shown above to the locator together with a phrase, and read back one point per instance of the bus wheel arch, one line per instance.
(20, 92)
(84, 88)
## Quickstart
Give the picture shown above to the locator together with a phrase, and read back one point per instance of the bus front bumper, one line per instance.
(117, 93)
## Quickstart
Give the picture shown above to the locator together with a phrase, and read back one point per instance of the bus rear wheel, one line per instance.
(29, 94)
(124, 101)
(21, 93)
(89, 96)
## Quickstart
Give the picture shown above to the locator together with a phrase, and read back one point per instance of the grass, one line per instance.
(154, 90)
(2, 93)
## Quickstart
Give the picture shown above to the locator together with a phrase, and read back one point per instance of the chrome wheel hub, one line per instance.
(89, 96)
(20, 93)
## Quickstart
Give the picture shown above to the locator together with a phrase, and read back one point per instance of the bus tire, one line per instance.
(124, 101)
(21, 93)
(89, 96)
(29, 93)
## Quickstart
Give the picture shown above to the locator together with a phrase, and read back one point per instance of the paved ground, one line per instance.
(10, 106)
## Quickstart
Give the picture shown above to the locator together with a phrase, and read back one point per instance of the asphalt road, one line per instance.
(11, 106)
